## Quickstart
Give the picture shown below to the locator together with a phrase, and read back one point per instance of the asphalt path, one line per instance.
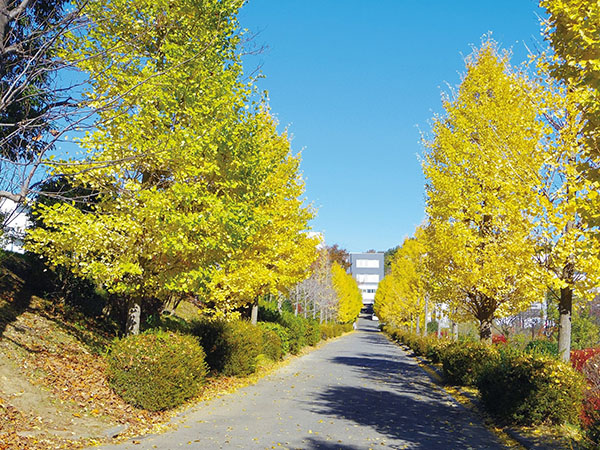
(357, 392)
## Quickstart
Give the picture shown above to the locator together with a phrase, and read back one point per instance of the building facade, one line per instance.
(367, 270)
(15, 220)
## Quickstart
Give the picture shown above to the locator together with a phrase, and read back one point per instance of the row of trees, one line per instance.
(185, 189)
(330, 293)
(512, 186)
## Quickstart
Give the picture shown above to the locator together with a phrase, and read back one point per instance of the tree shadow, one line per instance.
(412, 419)
(394, 373)
(11, 310)
(321, 444)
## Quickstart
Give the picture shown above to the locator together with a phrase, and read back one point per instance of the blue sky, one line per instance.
(356, 82)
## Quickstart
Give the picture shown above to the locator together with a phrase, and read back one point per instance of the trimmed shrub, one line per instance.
(313, 332)
(231, 347)
(156, 370)
(297, 329)
(327, 331)
(331, 330)
(531, 389)
(436, 348)
(211, 337)
(263, 362)
(542, 347)
(281, 331)
(462, 362)
(271, 344)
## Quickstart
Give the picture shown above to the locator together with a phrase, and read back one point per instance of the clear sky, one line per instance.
(357, 81)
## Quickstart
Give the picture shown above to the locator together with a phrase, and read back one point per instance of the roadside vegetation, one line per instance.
(509, 253)
(71, 377)
(169, 255)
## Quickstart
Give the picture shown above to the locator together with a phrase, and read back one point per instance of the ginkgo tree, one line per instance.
(197, 192)
(277, 252)
(568, 251)
(402, 296)
(573, 30)
(348, 294)
(481, 164)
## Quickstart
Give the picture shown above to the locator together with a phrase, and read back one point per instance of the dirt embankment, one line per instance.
(53, 388)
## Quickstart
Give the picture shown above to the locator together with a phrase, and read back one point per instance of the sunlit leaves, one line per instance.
(199, 193)
(482, 165)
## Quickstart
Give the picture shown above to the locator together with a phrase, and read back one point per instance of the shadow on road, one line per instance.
(397, 398)
(320, 444)
(395, 374)
(420, 423)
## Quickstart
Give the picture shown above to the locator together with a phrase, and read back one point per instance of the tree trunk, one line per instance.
(254, 313)
(454, 331)
(134, 314)
(485, 330)
(565, 307)
(426, 313)
(418, 327)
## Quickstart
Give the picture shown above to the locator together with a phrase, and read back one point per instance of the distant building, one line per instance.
(367, 270)
(15, 220)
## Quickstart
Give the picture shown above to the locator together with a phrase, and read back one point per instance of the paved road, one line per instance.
(357, 392)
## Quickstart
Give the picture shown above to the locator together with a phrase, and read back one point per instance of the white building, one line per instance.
(15, 220)
(367, 270)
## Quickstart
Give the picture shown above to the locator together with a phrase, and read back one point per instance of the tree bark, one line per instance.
(426, 314)
(134, 315)
(485, 330)
(254, 313)
(418, 327)
(565, 307)
(454, 331)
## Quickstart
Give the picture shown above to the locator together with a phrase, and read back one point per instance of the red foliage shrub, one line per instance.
(580, 357)
(498, 339)
(590, 416)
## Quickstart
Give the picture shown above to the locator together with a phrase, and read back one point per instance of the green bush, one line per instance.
(435, 348)
(419, 345)
(429, 346)
(282, 332)
(271, 344)
(462, 362)
(268, 312)
(542, 347)
(327, 331)
(313, 332)
(211, 337)
(331, 330)
(531, 389)
(297, 329)
(231, 347)
(156, 371)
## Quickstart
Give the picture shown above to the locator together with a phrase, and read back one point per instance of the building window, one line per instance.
(367, 263)
(367, 278)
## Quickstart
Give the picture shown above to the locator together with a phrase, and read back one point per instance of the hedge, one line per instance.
(156, 370)
(531, 389)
